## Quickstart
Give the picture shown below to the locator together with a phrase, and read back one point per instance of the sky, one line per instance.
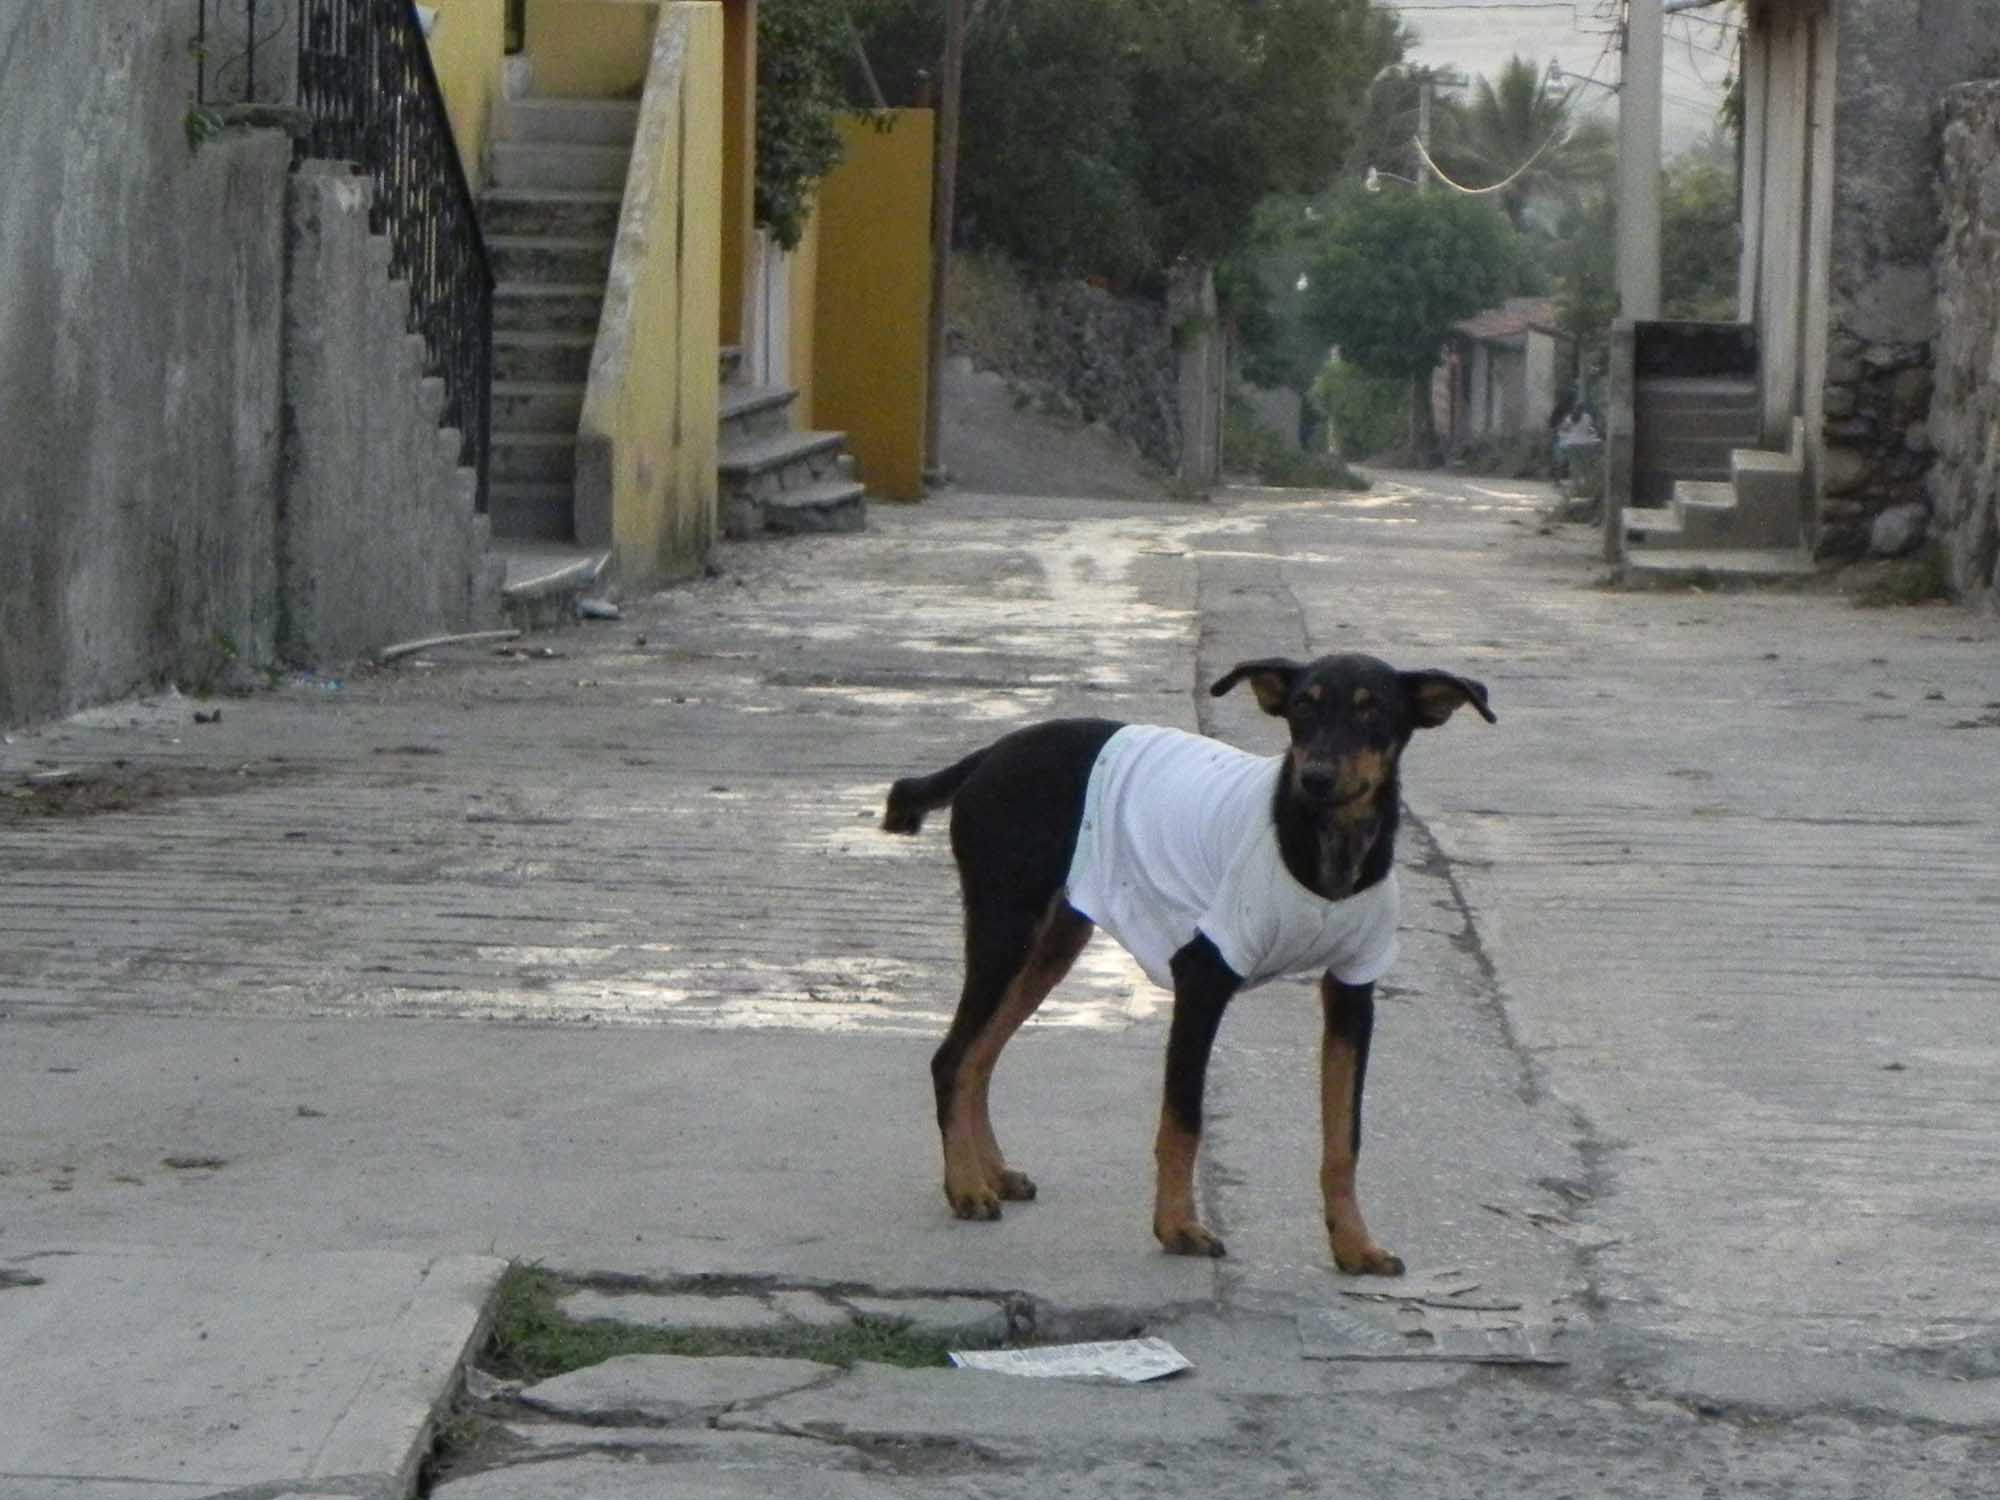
(1478, 36)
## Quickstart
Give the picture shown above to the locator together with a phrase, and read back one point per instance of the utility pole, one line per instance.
(1639, 161)
(944, 187)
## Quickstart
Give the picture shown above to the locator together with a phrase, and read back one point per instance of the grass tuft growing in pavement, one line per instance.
(1922, 579)
(532, 1339)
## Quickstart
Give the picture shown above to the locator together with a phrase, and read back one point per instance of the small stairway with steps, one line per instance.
(774, 477)
(1707, 503)
(556, 181)
(556, 172)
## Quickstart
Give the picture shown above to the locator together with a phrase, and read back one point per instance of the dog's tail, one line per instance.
(913, 796)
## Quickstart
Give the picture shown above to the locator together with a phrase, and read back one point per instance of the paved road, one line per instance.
(596, 957)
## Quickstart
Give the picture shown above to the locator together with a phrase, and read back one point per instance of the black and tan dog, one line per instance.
(1218, 870)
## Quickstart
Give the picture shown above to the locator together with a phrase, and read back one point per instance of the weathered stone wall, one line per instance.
(150, 480)
(1894, 61)
(1965, 410)
(378, 540)
(141, 289)
(1077, 350)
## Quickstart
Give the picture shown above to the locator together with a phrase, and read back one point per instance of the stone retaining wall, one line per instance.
(1965, 410)
(1076, 350)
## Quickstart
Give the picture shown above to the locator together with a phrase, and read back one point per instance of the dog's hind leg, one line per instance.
(1013, 959)
(1062, 936)
(1350, 1024)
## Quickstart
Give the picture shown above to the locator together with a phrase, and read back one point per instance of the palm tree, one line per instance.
(1522, 130)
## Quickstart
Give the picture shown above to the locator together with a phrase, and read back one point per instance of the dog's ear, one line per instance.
(1435, 695)
(1271, 680)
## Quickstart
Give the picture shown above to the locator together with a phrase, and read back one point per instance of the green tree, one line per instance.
(1397, 271)
(802, 48)
(1583, 259)
(1521, 126)
(1116, 137)
(1698, 233)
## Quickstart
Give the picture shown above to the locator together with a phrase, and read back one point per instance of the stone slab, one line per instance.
(998, 1415)
(134, 1368)
(811, 1309)
(606, 1478)
(974, 1321)
(684, 1444)
(639, 1388)
(680, 1310)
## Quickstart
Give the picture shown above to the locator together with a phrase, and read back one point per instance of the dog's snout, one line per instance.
(1318, 781)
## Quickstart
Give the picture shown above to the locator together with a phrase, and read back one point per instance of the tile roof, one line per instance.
(1514, 317)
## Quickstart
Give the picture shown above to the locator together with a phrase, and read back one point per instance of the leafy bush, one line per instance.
(1367, 414)
(1250, 447)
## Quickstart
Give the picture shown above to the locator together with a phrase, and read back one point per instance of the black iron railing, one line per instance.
(366, 84)
(242, 52)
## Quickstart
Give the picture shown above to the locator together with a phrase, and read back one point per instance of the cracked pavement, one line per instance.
(595, 958)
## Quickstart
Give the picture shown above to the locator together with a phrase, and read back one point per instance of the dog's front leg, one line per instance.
(1343, 1068)
(1203, 986)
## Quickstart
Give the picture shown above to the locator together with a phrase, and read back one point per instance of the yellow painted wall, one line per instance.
(804, 313)
(872, 322)
(646, 453)
(739, 157)
(467, 44)
(590, 49)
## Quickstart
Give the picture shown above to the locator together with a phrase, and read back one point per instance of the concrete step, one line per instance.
(781, 461)
(592, 122)
(1697, 567)
(549, 259)
(552, 357)
(1652, 526)
(828, 505)
(533, 307)
(1693, 424)
(1695, 392)
(545, 580)
(1772, 487)
(1686, 457)
(534, 458)
(533, 512)
(563, 212)
(517, 165)
(750, 412)
(536, 406)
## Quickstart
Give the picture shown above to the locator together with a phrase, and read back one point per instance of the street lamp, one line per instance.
(1373, 181)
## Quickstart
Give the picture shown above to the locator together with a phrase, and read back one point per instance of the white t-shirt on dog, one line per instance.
(1177, 837)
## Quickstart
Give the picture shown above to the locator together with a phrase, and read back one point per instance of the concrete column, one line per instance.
(1639, 163)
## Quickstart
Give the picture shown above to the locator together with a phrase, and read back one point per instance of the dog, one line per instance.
(1217, 870)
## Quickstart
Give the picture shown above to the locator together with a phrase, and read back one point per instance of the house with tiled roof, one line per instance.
(1501, 372)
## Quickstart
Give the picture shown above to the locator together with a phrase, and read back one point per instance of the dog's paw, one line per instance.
(1370, 1260)
(1015, 1187)
(981, 1206)
(1189, 1239)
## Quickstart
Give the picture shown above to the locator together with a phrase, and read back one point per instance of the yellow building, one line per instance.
(631, 124)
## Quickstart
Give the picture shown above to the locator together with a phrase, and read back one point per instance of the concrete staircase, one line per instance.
(1707, 503)
(556, 170)
(556, 174)
(774, 477)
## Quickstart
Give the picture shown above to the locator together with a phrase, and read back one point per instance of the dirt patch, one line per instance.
(997, 444)
(120, 787)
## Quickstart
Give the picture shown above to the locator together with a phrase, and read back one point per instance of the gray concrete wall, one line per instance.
(1895, 59)
(378, 539)
(140, 295)
(1965, 411)
(198, 474)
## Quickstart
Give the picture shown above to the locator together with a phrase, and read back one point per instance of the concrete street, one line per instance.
(587, 951)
